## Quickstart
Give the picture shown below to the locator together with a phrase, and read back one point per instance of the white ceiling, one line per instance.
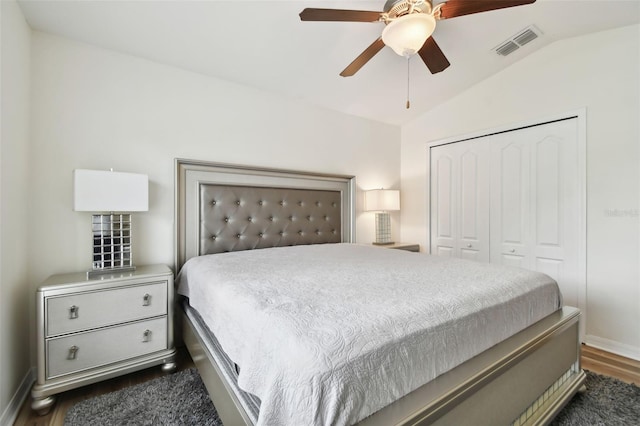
(264, 44)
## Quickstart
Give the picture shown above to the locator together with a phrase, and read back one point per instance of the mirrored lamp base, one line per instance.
(383, 229)
(111, 244)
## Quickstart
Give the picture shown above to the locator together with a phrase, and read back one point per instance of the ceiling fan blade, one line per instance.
(364, 57)
(433, 57)
(453, 8)
(310, 14)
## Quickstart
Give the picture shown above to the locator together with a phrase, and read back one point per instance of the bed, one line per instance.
(525, 375)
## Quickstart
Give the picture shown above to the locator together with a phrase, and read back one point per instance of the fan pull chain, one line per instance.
(408, 73)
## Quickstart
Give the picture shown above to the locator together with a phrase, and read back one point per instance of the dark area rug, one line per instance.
(174, 399)
(607, 401)
(181, 399)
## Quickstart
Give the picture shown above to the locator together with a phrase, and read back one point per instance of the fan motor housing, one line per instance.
(396, 8)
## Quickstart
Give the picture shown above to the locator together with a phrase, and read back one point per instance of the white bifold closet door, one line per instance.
(511, 198)
(460, 200)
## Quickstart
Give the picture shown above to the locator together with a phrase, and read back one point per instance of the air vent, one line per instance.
(520, 39)
(525, 37)
(506, 48)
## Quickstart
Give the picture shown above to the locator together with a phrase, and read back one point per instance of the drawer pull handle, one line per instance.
(146, 336)
(73, 350)
(146, 300)
(73, 312)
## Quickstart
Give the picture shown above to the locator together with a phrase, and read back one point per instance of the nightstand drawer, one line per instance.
(81, 351)
(82, 311)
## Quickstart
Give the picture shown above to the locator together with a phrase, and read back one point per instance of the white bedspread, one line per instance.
(328, 334)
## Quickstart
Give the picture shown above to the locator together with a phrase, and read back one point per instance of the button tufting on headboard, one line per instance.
(251, 217)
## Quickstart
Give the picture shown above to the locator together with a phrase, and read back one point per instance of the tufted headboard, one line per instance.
(222, 207)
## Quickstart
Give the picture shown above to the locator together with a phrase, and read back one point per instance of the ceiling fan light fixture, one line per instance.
(406, 34)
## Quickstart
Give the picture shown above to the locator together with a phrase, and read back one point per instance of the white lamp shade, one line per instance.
(382, 200)
(105, 191)
(406, 35)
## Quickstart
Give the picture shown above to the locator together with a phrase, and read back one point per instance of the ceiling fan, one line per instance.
(408, 26)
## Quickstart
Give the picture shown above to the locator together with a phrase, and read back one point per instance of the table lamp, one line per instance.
(382, 201)
(111, 196)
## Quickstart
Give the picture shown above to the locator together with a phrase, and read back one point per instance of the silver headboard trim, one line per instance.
(191, 176)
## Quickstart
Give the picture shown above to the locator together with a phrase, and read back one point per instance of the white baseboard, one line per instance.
(612, 346)
(10, 414)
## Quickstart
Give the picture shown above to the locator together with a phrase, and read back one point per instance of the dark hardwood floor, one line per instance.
(595, 360)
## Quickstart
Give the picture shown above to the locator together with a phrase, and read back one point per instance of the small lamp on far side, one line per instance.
(382, 201)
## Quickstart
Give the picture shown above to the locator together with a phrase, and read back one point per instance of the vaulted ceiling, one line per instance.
(263, 44)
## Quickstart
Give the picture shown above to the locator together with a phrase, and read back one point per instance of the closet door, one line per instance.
(460, 200)
(534, 202)
(512, 198)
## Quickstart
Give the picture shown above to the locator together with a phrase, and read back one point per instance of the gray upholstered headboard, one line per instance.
(223, 207)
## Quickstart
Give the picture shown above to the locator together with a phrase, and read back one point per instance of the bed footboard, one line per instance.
(525, 380)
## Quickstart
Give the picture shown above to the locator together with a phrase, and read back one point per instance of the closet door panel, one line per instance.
(510, 201)
(444, 251)
(547, 221)
(512, 175)
(547, 193)
(513, 260)
(551, 267)
(473, 213)
(443, 226)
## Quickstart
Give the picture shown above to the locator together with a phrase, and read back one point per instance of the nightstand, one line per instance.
(403, 246)
(92, 329)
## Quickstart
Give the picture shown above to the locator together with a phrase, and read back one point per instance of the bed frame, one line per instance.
(524, 380)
